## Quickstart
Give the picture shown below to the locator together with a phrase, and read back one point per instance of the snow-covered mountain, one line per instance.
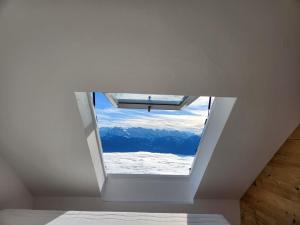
(135, 139)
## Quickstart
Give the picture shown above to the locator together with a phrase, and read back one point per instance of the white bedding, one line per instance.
(43, 217)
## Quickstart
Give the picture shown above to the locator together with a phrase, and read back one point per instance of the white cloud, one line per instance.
(190, 119)
(147, 163)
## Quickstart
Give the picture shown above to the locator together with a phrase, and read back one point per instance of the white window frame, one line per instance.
(154, 188)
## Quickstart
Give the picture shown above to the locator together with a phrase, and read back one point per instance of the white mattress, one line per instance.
(43, 217)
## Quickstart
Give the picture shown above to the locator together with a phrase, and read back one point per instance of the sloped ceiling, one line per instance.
(49, 49)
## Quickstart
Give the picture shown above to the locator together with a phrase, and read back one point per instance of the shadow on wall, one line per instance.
(215, 219)
(2, 4)
(29, 217)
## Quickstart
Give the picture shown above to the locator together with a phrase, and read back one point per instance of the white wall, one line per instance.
(228, 208)
(13, 193)
(49, 49)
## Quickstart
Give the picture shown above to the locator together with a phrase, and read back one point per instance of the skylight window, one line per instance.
(162, 139)
(128, 144)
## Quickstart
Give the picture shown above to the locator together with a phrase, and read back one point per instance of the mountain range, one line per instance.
(135, 139)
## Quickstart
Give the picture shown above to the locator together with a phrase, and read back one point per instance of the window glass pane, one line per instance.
(145, 98)
(135, 141)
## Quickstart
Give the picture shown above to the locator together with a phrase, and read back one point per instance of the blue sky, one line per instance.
(190, 119)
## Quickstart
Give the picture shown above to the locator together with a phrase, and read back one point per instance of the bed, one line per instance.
(43, 217)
